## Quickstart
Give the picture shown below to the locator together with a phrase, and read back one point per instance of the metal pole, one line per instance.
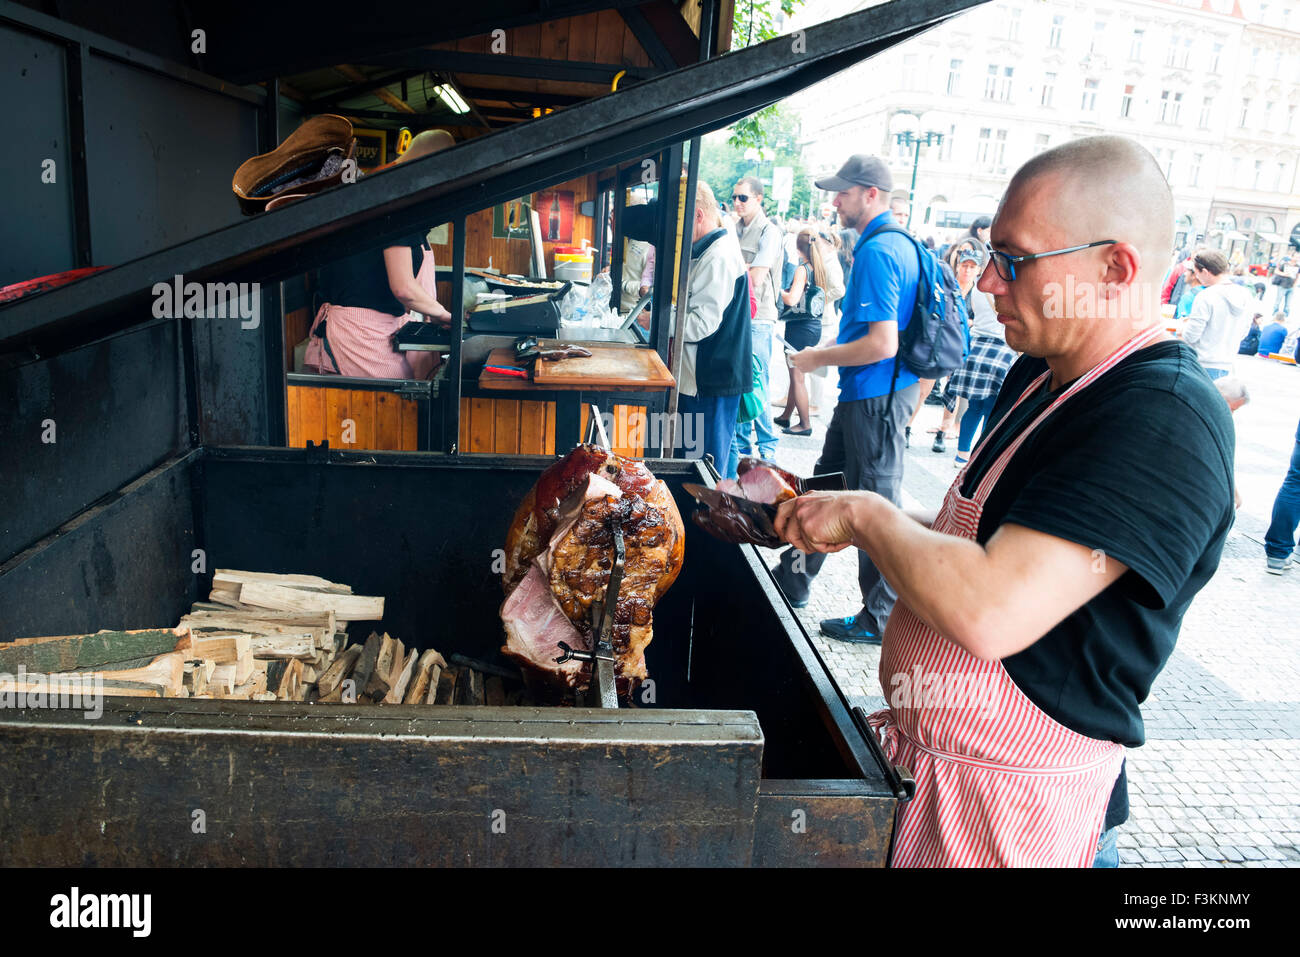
(911, 194)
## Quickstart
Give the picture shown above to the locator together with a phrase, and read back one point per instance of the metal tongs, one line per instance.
(603, 692)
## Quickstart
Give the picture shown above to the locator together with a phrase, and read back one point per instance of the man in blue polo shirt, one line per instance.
(865, 437)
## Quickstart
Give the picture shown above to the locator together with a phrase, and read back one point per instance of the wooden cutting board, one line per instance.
(607, 365)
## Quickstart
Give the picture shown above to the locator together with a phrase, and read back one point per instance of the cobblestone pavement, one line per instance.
(1217, 783)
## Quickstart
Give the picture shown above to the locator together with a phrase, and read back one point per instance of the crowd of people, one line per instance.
(1059, 567)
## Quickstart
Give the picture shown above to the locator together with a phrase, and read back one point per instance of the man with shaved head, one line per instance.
(1037, 606)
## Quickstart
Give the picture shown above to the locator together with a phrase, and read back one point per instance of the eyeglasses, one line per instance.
(1006, 265)
(739, 198)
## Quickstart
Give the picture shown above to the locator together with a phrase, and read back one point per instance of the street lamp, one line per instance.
(907, 129)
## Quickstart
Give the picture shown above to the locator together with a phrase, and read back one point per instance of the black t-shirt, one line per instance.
(361, 281)
(1139, 465)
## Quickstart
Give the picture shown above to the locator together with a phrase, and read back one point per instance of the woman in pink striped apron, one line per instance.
(356, 340)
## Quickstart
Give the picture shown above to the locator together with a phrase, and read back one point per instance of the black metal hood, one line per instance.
(473, 175)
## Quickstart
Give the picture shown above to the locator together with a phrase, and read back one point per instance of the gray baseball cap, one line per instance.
(860, 170)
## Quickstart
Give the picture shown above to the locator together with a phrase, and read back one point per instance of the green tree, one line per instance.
(724, 161)
(755, 21)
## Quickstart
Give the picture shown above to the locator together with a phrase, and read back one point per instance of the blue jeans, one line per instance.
(1283, 303)
(711, 429)
(977, 411)
(1280, 537)
(1107, 850)
(762, 332)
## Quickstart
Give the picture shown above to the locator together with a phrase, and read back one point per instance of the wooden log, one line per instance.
(223, 647)
(318, 626)
(222, 682)
(234, 576)
(85, 652)
(494, 690)
(342, 666)
(302, 647)
(418, 689)
(351, 607)
(55, 686)
(244, 668)
(469, 687)
(167, 671)
(291, 684)
(447, 682)
(275, 674)
(435, 676)
(397, 693)
(381, 677)
(366, 663)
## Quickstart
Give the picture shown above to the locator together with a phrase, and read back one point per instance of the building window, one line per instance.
(945, 148)
(1135, 45)
(1234, 176)
(1281, 177)
(1098, 36)
(1004, 92)
(991, 83)
(1259, 168)
(1268, 115)
(1194, 172)
(1175, 107)
(1054, 37)
(1089, 103)
(984, 147)
(1185, 55)
(1254, 59)
(1169, 166)
(1171, 55)
(909, 71)
(954, 77)
(1126, 104)
(1245, 112)
(1013, 23)
(1000, 152)
(1041, 142)
(1164, 106)
(1207, 105)
(1214, 57)
(1049, 87)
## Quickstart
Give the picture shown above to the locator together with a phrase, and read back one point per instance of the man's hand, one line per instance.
(806, 360)
(820, 521)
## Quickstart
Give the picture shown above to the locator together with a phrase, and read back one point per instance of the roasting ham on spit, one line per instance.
(559, 551)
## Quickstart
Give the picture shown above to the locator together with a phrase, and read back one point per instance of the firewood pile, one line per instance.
(264, 637)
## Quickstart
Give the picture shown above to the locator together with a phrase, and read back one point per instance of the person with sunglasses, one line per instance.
(761, 244)
(865, 437)
(1052, 582)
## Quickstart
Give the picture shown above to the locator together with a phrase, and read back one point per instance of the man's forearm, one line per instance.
(859, 352)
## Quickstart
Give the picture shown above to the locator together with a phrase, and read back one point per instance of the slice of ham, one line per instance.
(767, 485)
(535, 626)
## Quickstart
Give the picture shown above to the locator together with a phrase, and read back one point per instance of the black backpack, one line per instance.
(934, 342)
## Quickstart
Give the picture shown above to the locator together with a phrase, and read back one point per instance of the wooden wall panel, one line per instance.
(507, 426)
(630, 424)
(382, 420)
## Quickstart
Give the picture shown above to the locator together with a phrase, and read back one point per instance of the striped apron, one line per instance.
(360, 341)
(998, 781)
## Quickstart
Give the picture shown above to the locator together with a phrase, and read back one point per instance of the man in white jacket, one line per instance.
(716, 367)
(1219, 316)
